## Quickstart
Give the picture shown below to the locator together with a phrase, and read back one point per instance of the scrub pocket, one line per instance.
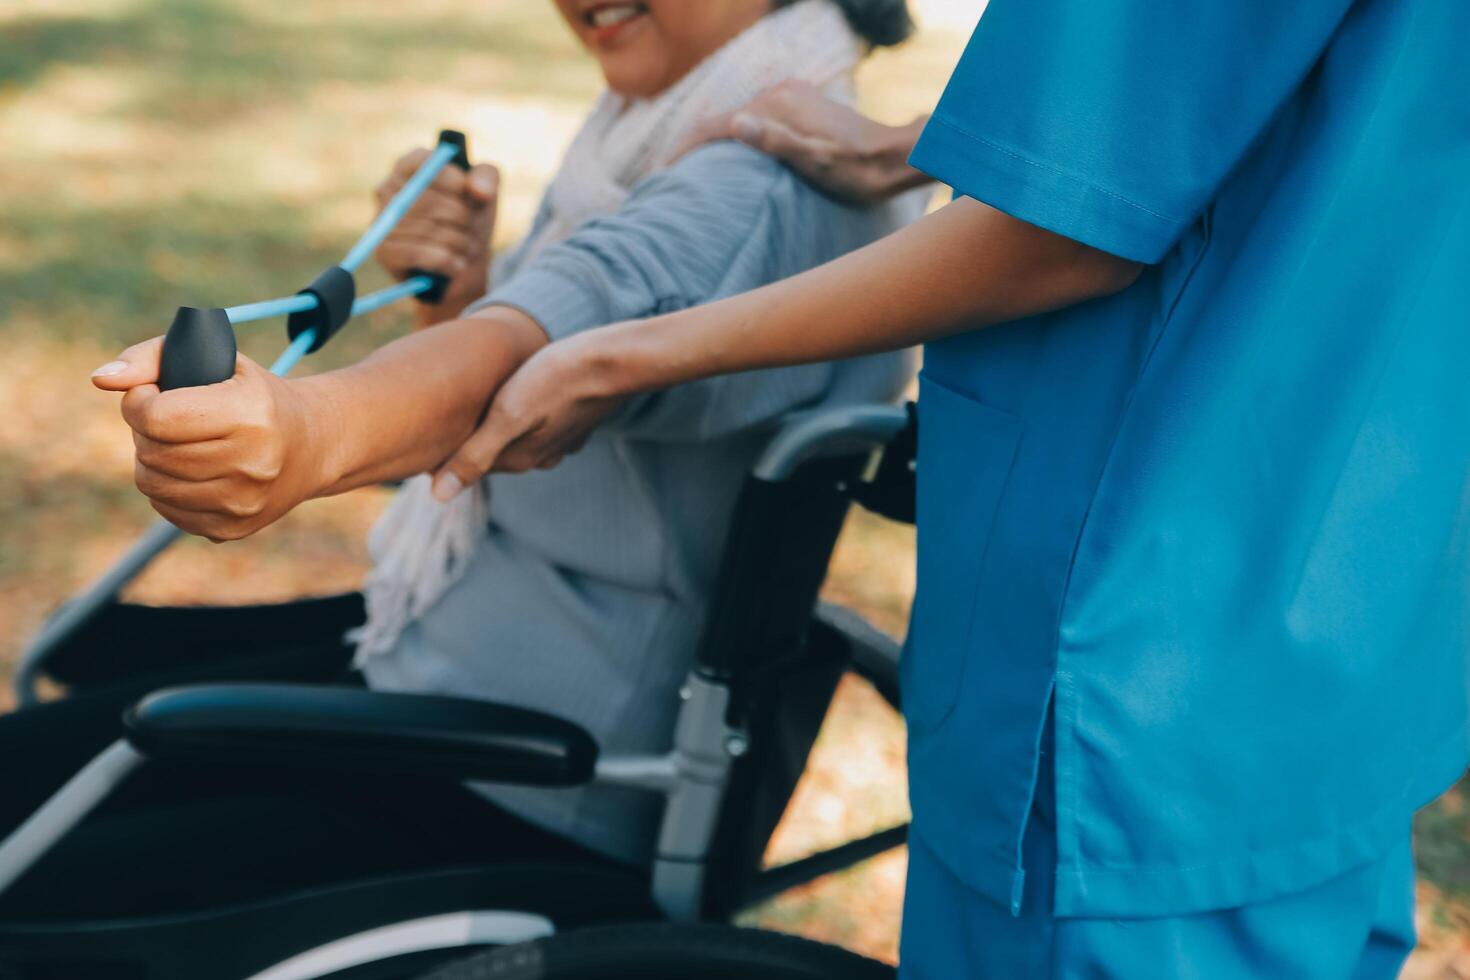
(966, 450)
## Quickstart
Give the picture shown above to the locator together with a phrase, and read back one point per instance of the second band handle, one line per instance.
(439, 281)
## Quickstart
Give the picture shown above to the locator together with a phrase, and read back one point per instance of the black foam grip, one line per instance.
(334, 289)
(440, 282)
(199, 349)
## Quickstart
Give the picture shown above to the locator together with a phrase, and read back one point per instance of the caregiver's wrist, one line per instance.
(631, 358)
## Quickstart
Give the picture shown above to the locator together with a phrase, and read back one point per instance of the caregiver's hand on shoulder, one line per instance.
(222, 460)
(546, 410)
(840, 150)
(447, 231)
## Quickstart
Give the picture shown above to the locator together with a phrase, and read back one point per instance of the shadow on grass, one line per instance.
(1442, 843)
(114, 275)
(82, 506)
(133, 263)
(206, 58)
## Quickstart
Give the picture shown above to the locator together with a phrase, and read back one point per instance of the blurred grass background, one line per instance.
(155, 153)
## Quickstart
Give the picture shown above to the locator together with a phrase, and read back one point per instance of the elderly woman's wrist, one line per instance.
(318, 437)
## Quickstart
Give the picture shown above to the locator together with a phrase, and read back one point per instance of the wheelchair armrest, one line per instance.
(312, 726)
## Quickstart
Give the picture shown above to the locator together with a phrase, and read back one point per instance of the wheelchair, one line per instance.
(764, 673)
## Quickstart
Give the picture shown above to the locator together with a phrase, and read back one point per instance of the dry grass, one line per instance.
(158, 152)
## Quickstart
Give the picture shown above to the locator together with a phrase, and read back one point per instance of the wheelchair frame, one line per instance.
(755, 632)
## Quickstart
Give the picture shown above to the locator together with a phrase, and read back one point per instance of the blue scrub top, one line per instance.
(1223, 517)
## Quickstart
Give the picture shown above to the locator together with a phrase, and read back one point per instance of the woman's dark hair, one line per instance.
(882, 23)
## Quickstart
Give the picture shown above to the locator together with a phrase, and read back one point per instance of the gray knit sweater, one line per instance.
(588, 590)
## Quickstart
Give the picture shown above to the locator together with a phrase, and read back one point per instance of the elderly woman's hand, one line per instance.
(842, 151)
(223, 460)
(447, 231)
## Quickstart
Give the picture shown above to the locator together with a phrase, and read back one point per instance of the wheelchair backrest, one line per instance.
(758, 638)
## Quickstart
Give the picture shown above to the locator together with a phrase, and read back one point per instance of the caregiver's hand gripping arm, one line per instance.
(963, 267)
(848, 155)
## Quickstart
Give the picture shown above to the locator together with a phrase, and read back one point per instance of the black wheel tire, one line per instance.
(666, 952)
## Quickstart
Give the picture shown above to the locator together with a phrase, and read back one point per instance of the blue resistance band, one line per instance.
(398, 207)
(294, 352)
(86, 604)
(364, 304)
(268, 308)
(380, 229)
(413, 286)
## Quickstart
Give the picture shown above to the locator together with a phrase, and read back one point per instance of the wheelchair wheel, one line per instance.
(666, 952)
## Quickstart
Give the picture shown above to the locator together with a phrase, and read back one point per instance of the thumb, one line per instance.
(483, 183)
(474, 459)
(138, 365)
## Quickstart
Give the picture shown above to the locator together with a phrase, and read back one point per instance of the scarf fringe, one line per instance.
(421, 547)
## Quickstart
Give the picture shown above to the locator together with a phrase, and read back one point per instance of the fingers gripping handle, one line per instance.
(439, 282)
(199, 349)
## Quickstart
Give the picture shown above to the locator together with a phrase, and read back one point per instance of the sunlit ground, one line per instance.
(161, 152)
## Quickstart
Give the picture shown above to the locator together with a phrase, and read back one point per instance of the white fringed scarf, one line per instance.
(421, 547)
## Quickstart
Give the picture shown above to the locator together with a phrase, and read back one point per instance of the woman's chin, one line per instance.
(634, 78)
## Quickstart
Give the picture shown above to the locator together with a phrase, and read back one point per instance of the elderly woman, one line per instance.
(579, 591)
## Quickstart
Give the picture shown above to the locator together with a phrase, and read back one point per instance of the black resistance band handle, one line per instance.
(199, 349)
(440, 282)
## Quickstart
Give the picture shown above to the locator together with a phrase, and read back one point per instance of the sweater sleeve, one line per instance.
(723, 220)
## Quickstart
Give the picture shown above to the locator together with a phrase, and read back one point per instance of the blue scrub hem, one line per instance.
(1145, 892)
(1000, 881)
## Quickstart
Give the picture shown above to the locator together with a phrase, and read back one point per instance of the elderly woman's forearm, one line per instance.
(962, 268)
(403, 409)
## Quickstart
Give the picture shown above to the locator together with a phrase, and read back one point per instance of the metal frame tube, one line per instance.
(84, 605)
(65, 809)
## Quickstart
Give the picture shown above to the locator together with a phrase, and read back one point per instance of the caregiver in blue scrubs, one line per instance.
(1189, 643)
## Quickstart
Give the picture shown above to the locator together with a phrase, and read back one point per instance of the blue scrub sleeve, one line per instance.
(1114, 122)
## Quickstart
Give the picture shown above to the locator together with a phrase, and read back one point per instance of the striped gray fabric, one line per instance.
(587, 594)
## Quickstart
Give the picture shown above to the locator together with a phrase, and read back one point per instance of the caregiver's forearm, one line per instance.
(964, 267)
(404, 408)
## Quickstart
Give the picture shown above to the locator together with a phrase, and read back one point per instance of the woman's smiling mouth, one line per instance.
(608, 20)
